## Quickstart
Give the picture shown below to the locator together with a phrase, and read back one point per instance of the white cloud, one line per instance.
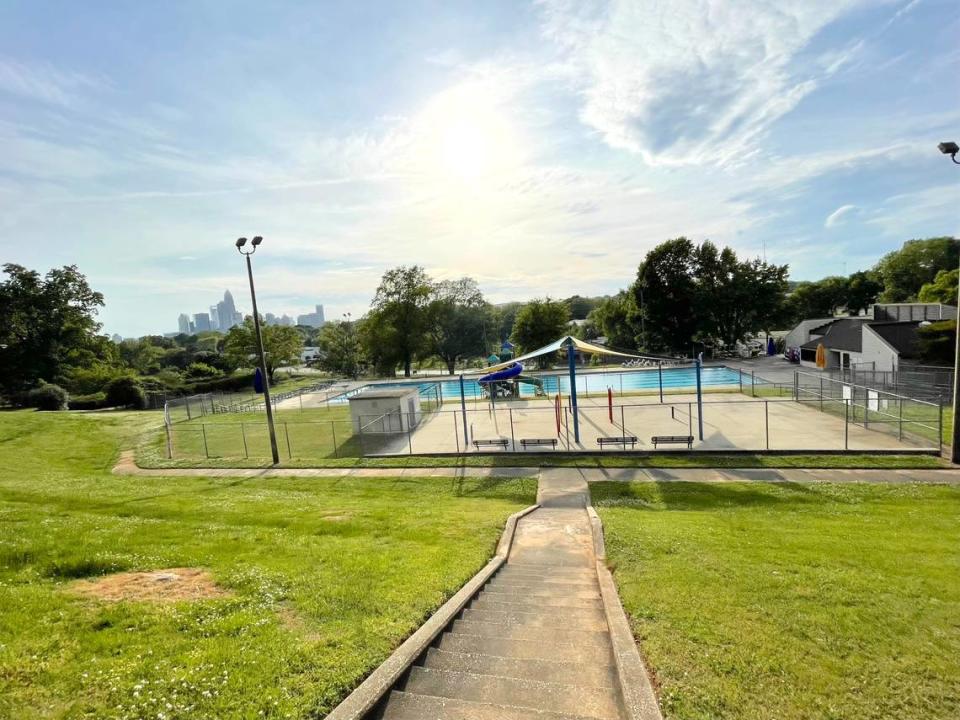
(692, 81)
(44, 82)
(837, 216)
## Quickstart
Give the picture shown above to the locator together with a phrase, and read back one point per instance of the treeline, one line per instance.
(687, 295)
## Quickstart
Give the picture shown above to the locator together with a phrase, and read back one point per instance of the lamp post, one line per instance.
(951, 149)
(241, 243)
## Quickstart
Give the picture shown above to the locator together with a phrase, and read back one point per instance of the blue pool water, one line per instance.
(626, 381)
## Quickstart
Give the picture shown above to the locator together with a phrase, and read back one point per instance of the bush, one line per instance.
(47, 397)
(93, 401)
(937, 341)
(243, 381)
(126, 392)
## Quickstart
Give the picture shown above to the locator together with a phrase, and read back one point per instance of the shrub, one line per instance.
(126, 392)
(47, 397)
(93, 401)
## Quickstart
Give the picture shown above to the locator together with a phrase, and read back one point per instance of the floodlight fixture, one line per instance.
(241, 242)
(950, 148)
(256, 240)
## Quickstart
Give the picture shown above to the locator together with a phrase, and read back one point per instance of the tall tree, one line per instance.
(820, 299)
(908, 269)
(539, 323)
(736, 297)
(401, 306)
(282, 345)
(665, 291)
(863, 289)
(618, 319)
(456, 320)
(339, 343)
(48, 326)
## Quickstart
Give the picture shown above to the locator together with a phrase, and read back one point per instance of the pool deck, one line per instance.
(731, 421)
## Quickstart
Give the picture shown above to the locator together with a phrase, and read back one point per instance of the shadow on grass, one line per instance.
(699, 496)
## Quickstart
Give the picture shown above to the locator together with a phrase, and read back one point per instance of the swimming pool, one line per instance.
(626, 381)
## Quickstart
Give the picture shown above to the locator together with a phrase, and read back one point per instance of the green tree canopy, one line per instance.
(339, 343)
(820, 299)
(618, 319)
(539, 323)
(48, 325)
(666, 294)
(281, 344)
(943, 289)
(917, 263)
(863, 289)
(400, 312)
(456, 320)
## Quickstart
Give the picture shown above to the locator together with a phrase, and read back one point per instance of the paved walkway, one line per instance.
(534, 643)
(126, 466)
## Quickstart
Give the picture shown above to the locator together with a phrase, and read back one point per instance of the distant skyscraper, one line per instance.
(183, 323)
(286, 320)
(271, 319)
(314, 319)
(227, 315)
(201, 322)
(214, 317)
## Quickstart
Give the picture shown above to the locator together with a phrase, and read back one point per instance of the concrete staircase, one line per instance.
(532, 644)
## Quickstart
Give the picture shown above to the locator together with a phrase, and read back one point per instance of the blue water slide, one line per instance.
(508, 373)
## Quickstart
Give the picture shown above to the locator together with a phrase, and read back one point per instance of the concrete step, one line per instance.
(586, 572)
(572, 609)
(408, 706)
(555, 697)
(499, 596)
(524, 585)
(575, 652)
(542, 591)
(549, 581)
(589, 675)
(585, 619)
(526, 632)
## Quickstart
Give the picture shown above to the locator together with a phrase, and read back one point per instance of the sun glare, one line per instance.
(466, 134)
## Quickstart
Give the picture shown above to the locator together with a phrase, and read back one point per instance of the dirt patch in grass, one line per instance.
(167, 585)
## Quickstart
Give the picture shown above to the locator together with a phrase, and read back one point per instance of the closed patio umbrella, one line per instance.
(821, 356)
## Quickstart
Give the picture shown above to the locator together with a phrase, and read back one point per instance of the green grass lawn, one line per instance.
(326, 577)
(792, 601)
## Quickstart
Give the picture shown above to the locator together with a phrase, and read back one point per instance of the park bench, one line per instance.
(493, 442)
(624, 440)
(527, 442)
(675, 439)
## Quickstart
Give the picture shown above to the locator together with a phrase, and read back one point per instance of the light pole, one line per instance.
(951, 149)
(263, 357)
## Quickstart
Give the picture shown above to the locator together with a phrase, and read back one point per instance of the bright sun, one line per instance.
(466, 135)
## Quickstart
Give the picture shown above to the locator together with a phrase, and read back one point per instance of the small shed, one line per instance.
(386, 410)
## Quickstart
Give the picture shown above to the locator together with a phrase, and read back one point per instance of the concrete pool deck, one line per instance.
(731, 421)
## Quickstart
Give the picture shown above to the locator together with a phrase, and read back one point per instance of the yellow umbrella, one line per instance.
(821, 356)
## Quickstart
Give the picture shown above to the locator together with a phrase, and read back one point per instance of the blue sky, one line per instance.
(542, 148)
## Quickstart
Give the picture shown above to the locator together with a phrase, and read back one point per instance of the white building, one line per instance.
(390, 410)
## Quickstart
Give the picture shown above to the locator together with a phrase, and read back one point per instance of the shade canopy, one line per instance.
(578, 344)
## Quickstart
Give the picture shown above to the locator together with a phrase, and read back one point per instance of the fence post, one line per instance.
(753, 383)
(243, 434)
(621, 384)
(690, 418)
(566, 425)
(940, 426)
(286, 432)
(821, 393)
(187, 403)
(456, 431)
(170, 442)
(623, 422)
(900, 422)
(766, 420)
(796, 386)
(846, 424)
(740, 378)
(203, 429)
(409, 433)
(333, 431)
(513, 439)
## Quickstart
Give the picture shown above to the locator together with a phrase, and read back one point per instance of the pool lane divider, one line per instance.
(363, 701)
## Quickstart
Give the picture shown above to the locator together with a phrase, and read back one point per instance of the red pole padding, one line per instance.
(557, 409)
(610, 403)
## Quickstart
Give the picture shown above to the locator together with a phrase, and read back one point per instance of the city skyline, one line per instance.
(212, 319)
